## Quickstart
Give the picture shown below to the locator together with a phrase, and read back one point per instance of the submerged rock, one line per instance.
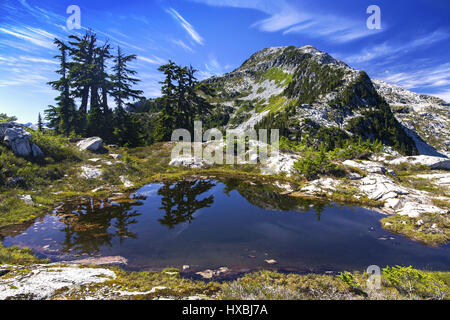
(271, 261)
(208, 274)
(102, 260)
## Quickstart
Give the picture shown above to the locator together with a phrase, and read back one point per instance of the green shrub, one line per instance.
(314, 163)
(55, 148)
(348, 278)
(415, 283)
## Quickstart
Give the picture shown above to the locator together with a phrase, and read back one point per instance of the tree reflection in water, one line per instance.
(265, 196)
(88, 227)
(179, 200)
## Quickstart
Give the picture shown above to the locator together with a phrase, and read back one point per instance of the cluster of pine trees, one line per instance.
(84, 77)
(180, 102)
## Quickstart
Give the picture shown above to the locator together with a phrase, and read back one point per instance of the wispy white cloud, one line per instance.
(444, 95)
(181, 44)
(211, 68)
(24, 59)
(290, 18)
(152, 60)
(433, 77)
(35, 36)
(35, 75)
(37, 59)
(42, 14)
(389, 48)
(186, 25)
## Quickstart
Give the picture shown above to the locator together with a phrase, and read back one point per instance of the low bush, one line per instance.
(415, 283)
(314, 163)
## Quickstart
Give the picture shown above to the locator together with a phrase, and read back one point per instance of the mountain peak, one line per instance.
(287, 58)
(293, 87)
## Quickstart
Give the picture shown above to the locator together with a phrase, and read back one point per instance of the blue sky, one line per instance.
(215, 36)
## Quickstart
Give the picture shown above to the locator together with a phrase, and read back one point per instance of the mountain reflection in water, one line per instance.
(234, 223)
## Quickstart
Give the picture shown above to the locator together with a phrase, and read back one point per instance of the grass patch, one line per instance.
(16, 255)
(430, 229)
(277, 75)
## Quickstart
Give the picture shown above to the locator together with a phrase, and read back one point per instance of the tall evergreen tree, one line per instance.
(167, 118)
(62, 117)
(105, 85)
(39, 124)
(121, 90)
(82, 72)
(122, 80)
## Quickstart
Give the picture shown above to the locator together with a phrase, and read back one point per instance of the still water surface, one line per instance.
(208, 224)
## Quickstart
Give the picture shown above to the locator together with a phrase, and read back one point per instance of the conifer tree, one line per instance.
(82, 72)
(122, 81)
(62, 117)
(39, 124)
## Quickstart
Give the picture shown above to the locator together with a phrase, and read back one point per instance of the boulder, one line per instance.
(415, 209)
(379, 187)
(126, 182)
(36, 151)
(191, 162)
(354, 176)
(27, 199)
(368, 166)
(115, 156)
(321, 185)
(94, 144)
(394, 203)
(18, 139)
(90, 173)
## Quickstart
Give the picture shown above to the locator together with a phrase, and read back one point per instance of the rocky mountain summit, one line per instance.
(307, 93)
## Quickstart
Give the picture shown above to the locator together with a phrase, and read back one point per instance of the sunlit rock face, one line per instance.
(19, 140)
(93, 144)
